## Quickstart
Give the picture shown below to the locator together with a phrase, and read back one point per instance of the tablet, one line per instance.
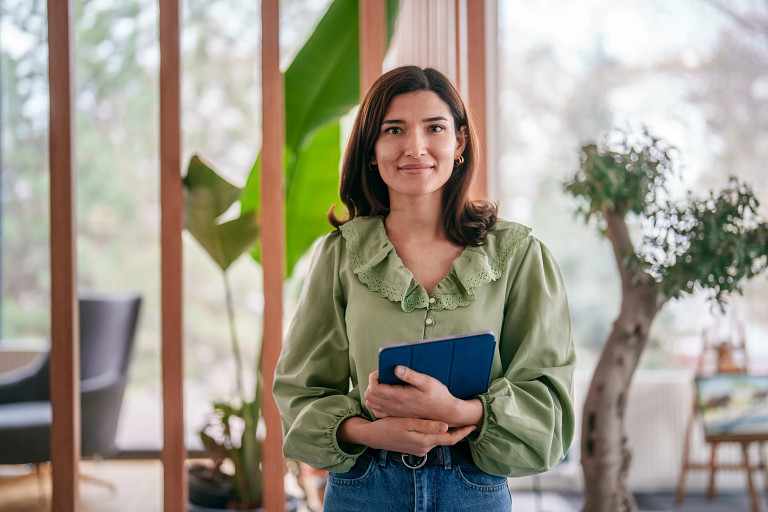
(462, 362)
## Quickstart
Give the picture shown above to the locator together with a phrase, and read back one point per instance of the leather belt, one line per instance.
(460, 456)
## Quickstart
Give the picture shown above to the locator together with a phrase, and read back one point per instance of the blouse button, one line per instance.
(429, 321)
(432, 300)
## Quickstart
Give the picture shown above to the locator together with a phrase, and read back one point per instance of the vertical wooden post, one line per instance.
(476, 85)
(171, 225)
(65, 339)
(373, 39)
(457, 29)
(273, 246)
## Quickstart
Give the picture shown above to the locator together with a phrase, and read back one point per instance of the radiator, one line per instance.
(660, 403)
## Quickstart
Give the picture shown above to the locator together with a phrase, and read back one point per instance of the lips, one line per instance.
(415, 168)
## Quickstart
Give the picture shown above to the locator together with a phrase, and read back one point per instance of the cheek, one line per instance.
(383, 151)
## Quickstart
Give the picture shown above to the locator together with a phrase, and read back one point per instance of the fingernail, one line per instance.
(400, 370)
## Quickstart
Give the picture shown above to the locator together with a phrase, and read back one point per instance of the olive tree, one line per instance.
(664, 250)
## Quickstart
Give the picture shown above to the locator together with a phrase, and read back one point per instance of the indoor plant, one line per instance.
(230, 433)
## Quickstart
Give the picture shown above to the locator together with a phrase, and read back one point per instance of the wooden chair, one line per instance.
(716, 358)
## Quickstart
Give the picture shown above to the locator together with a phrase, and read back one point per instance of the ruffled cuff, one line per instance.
(477, 437)
(311, 438)
(347, 452)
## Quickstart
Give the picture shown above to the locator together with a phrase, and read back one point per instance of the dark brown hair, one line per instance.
(364, 193)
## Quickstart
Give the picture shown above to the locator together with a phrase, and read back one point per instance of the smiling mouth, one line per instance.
(415, 168)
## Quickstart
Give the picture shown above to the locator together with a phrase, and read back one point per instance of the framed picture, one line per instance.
(733, 404)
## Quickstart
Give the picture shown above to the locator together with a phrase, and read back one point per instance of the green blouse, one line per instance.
(358, 296)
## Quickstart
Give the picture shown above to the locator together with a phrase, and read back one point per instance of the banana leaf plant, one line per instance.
(207, 197)
(321, 85)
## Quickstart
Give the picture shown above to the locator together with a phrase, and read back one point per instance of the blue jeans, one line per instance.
(376, 484)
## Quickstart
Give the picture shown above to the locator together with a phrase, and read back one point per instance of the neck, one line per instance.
(420, 220)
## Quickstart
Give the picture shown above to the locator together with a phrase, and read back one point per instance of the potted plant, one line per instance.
(230, 434)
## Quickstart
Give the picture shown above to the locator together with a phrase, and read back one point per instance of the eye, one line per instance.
(436, 128)
(394, 130)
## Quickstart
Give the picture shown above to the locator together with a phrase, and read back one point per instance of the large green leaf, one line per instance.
(206, 197)
(200, 177)
(321, 85)
(313, 189)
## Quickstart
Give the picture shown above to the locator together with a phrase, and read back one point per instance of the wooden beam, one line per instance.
(476, 85)
(457, 49)
(171, 225)
(373, 41)
(272, 246)
(65, 339)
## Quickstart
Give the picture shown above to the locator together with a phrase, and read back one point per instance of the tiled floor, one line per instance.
(139, 489)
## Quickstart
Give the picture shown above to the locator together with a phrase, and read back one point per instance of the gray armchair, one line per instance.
(107, 329)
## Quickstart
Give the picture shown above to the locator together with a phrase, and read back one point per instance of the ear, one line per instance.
(461, 140)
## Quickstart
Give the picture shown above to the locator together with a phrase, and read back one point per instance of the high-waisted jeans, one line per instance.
(377, 484)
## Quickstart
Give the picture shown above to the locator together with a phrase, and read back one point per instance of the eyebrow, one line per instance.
(427, 120)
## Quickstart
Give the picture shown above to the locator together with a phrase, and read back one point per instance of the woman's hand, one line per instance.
(424, 397)
(408, 435)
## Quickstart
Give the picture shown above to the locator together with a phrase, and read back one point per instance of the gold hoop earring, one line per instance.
(372, 167)
(458, 161)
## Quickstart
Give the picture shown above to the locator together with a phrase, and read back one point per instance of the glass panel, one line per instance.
(24, 184)
(118, 201)
(693, 73)
(221, 123)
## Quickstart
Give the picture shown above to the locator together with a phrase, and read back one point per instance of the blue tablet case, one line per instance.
(461, 362)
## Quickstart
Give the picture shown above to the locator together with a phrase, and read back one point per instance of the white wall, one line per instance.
(657, 414)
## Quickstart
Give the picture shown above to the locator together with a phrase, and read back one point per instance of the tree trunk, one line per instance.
(605, 452)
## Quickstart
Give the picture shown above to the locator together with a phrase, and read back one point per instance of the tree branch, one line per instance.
(623, 250)
(756, 25)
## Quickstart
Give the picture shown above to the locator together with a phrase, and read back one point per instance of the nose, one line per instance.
(415, 144)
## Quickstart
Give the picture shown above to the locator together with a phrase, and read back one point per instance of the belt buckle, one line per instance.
(417, 466)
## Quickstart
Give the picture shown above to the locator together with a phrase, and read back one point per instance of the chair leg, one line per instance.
(40, 470)
(98, 481)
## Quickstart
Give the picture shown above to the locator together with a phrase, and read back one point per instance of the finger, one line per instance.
(429, 426)
(460, 433)
(451, 437)
(378, 413)
(414, 378)
(374, 407)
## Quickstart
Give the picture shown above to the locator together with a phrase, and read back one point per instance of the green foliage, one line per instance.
(207, 196)
(321, 85)
(221, 441)
(627, 178)
(316, 97)
(714, 243)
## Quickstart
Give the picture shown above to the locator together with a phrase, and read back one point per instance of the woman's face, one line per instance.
(417, 145)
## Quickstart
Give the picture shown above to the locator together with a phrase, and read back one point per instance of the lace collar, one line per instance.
(374, 260)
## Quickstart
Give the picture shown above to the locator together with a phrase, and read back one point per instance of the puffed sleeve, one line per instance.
(312, 377)
(528, 412)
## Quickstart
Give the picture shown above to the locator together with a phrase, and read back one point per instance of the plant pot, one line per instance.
(208, 488)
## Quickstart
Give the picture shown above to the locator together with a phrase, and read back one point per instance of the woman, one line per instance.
(417, 259)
